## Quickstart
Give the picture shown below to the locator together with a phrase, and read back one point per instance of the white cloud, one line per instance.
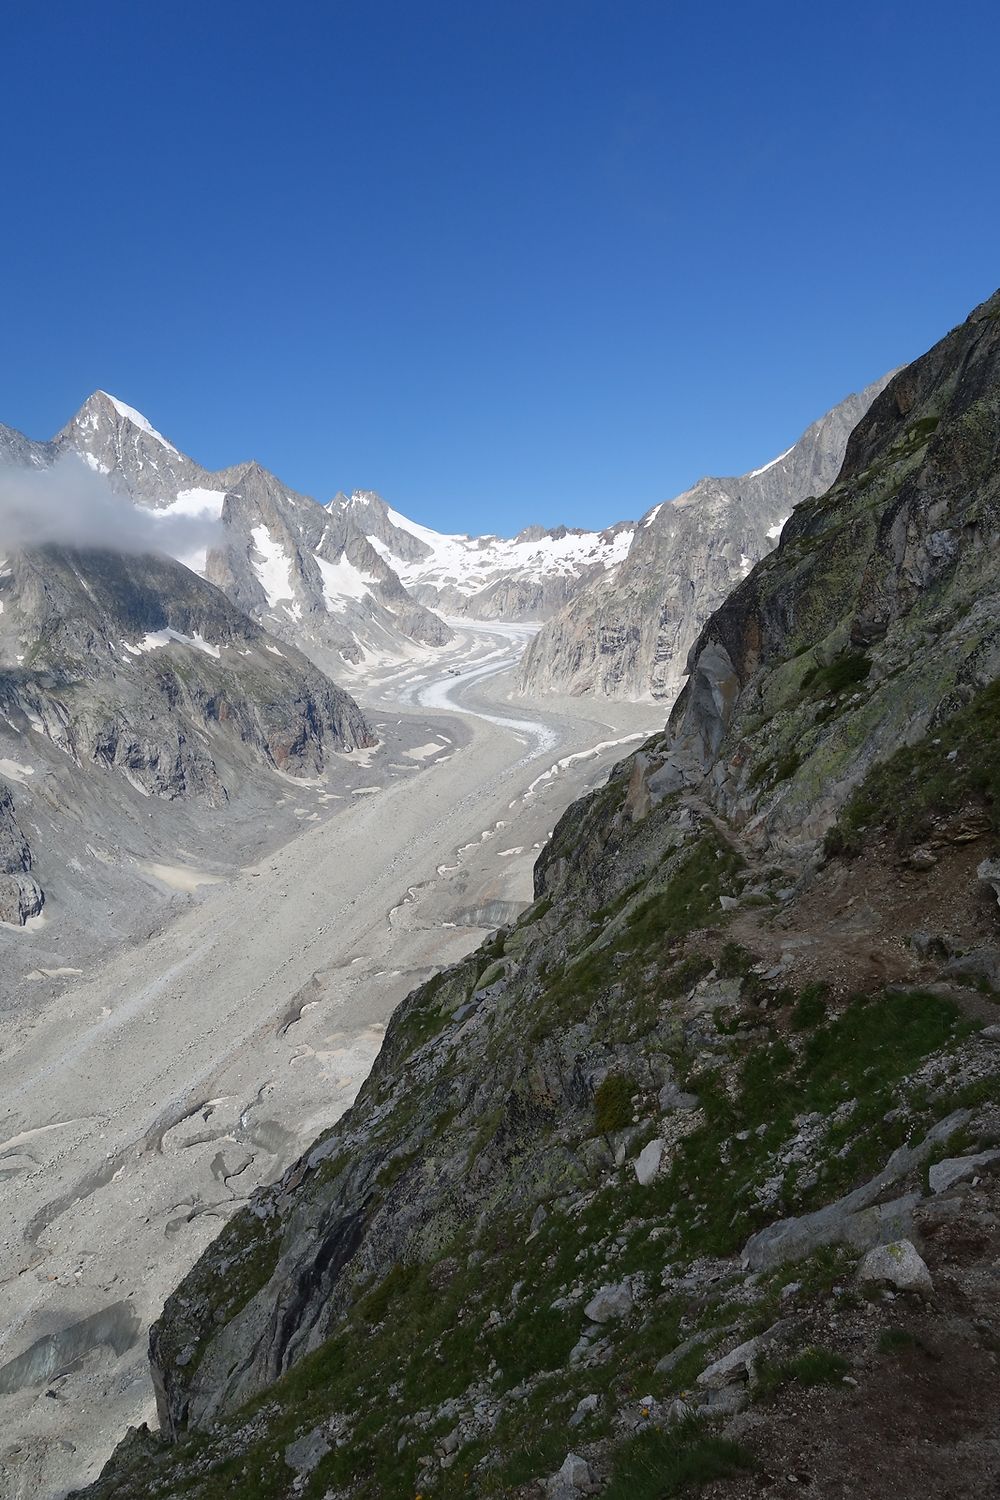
(70, 505)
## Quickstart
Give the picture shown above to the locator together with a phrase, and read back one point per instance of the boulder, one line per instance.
(610, 1302)
(946, 1174)
(306, 1452)
(647, 1163)
(980, 963)
(935, 945)
(572, 1479)
(897, 1265)
(922, 859)
(989, 873)
(584, 1408)
(672, 1096)
(735, 1365)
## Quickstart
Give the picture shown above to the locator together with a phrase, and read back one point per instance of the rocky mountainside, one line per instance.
(312, 576)
(23, 452)
(527, 577)
(627, 632)
(313, 581)
(133, 665)
(688, 1179)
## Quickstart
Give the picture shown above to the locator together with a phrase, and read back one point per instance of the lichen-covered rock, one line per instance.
(897, 1265)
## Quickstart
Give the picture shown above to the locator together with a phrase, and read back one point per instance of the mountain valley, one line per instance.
(451, 1104)
(685, 1178)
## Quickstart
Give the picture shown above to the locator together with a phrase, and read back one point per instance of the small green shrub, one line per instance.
(810, 1008)
(896, 1340)
(811, 1367)
(663, 1462)
(613, 1103)
(734, 962)
(399, 1281)
(845, 671)
(786, 767)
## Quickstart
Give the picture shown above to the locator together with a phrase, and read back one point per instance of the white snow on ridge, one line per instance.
(775, 531)
(469, 563)
(156, 638)
(764, 467)
(94, 463)
(274, 568)
(342, 581)
(137, 419)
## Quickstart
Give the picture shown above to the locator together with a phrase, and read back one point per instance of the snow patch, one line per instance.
(14, 771)
(274, 570)
(342, 581)
(764, 467)
(154, 639)
(137, 419)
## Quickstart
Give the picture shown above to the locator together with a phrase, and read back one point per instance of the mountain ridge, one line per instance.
(628, 634)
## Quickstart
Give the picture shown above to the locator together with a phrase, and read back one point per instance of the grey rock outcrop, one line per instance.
(944, 1175)
(627, 632)
(864, 1217)
(20, 894)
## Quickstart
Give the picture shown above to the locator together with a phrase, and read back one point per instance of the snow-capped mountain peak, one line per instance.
(129, 414)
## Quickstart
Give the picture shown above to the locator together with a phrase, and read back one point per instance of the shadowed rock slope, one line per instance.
(134, 662)
(134, 666)
(687, 1179)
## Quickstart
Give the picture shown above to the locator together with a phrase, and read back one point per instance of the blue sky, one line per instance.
(503, 262)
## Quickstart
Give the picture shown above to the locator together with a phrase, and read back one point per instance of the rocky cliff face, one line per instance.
(20, 894)
(116, 440)
(627, 632)
(312, 576)
(874, 620)
(688, 1177)
(23, 452)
